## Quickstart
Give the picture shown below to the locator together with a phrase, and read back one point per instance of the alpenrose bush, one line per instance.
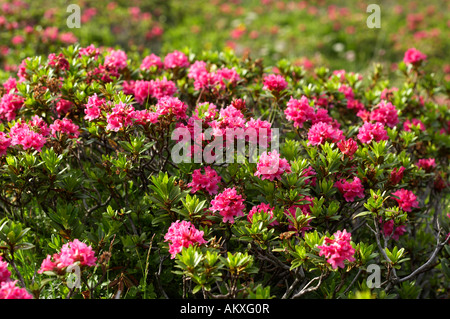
(94, 204)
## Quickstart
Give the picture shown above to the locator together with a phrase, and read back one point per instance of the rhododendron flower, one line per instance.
(394, 232)
(407, 200)
(176, 59)
(171, 106)
(309, 171)
(59, 61)
(262, 208)
(5, 274)
(72, 252)
(372, 131)
(121, 116)
(348, 147)
(396, 175)
(5, 142)
(116, 59)
(229, 118)
(322, 132)
(208, 182)
(414, 122)
(23, 134)
(229, 204)
(182, 234)
(10, 84)
(65, 126)
(413, 56)
(10, 104)
(90, 50)
(385, 113)
(143, 117)
(271, 166)
(151, 60)
(258, 130)
(63, 106)
(348, 91)
(350, 190)
(153, 88)
(93, 106)
(299, 111)
(275, 83)
(427, 164)
(338, 249)
(10, 290)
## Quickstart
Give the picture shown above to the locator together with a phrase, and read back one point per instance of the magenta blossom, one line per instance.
(182, 234)
(406, 199)
(229, 204)
(338, 249)
(208, 182)
(271, 166)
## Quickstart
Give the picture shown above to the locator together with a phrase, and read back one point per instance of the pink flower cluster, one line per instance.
(348, 147)
(350, 190)
(30, 135)
(372, 131)
(182, 234)
(5, 142)
(261, 208)
(8, 286)
(393, 232)
(122, 115)
(150, 61)
(72, 252)
(338, 249)
(322, 132)
(65, 126)
(271, 166)
(385, 113)
(427, 164)
(229, 204)
(176, 59)
(10, 104)
(142, 89)
(274, 83)
(116, 59)
(414, 56)
(414, 122)
(171, 106)
(208, 182)
(305, 210)
(299, 111)
(205, 79)
(93, 107)
(406, 199)
(396, 175)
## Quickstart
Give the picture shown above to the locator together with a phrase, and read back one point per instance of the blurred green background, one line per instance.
(309, 33)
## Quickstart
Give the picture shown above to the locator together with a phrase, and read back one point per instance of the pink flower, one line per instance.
(93, 106)
(5, 142)
(142, 117)
(299, 111)
(270, 166)
(168, 105)
(9, 290)
(427, 164)
(396, 175)
(261, 208)
(385, 113)
(151, 60)
(176, 59)
(72, 252)
(338, 249)
(65, 126)
(63, 106)
(23, 134)
(229, 204)
(393, 232)
(117, 59)
(209, 182)
(5, 274)
(348, 147)
(90, 50)
(322, 132)
(121, 116)
(274, 83)
(182, 234)
(406, 200)
(58, 62)
(348, 91)
(414, 122)
(350, 190)
(369, 132)
(10, 104)
(414, 56)
(310, 172)
(258, 130)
